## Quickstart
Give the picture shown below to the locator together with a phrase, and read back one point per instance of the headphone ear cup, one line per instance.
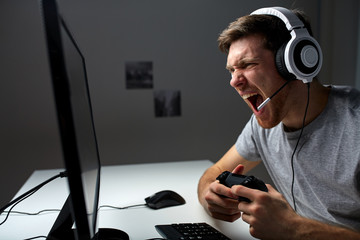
(281, 66)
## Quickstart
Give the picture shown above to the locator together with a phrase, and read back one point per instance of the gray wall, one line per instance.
(179, 37)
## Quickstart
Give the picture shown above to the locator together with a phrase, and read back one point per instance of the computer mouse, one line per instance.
(163, 199)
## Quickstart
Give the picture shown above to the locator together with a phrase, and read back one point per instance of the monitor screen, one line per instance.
(74, 112)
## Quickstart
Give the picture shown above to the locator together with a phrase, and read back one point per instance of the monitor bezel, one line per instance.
(53, 22)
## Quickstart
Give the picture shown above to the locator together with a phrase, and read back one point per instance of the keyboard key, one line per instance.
(190, 231)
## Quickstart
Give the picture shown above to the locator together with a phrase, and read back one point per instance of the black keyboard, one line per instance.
(187, 231)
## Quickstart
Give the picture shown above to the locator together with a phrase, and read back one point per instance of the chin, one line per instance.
(267, 123)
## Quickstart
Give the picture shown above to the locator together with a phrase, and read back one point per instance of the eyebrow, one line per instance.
(242, 61)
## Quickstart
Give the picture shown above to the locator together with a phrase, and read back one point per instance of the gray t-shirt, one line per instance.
(326, 163)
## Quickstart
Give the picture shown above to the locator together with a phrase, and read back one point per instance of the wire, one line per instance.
(27, 194)
(296, 146)
(46, 237)
(58, 210)
(36, 237)
(121, 208)
(16, 203)
(33, 214)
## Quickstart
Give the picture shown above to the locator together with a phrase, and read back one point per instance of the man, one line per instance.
(307, 136)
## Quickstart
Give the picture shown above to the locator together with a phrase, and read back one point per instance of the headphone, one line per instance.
(301, 57)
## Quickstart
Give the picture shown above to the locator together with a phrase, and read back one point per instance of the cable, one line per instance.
(46, 237)
(58, 210)
(27, 194)
(36, 237)
(33, 214)
(297, 143)
(121, 208)
(16, 203)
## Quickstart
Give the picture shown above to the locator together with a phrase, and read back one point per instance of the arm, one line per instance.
(314, 230)
(271, 217)
(211, 192)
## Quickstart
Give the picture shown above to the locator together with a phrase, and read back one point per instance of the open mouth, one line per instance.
(254, 99)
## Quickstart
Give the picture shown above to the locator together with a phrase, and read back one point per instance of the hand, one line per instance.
(268, 214)
(220, 202)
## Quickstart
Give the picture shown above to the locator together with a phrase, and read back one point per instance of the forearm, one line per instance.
(310, 229)
(207, 178)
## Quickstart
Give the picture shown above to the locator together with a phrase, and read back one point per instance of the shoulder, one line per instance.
(343, 96)
(343, 109)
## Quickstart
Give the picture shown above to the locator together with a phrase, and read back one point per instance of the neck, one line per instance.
(317, 102)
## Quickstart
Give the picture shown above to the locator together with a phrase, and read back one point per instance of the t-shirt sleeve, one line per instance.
(246, 142)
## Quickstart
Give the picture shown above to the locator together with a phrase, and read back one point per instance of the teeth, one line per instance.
(246, 96)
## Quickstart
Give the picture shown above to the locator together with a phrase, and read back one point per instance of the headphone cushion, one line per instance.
(281, 66)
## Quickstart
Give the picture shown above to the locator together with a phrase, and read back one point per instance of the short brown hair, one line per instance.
(273, 30)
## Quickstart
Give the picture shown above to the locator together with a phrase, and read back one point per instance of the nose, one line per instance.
(237, 78)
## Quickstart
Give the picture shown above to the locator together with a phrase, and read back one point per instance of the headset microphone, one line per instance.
(269, 98)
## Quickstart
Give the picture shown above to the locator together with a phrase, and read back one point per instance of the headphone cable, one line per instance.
(296, 146)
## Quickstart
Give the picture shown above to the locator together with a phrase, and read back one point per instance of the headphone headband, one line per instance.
(301, 57)
(289, 18)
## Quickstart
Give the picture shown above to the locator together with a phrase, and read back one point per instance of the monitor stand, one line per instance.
(63, 228)
(110, 234)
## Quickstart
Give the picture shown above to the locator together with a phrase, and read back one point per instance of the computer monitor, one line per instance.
(78, 217)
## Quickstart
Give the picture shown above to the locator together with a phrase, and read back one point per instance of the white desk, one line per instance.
(122, 186)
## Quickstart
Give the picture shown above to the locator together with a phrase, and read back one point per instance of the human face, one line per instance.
(254, 77)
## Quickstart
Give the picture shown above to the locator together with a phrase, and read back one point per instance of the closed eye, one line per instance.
(248, 65)
(230, 69)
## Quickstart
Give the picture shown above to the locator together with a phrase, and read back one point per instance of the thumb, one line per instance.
(239, 169)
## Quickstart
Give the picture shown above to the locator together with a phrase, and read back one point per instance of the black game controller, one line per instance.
(230, 179)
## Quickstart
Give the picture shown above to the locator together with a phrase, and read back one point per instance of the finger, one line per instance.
(243, 191)
(221, 189)
(270, 188)
(226, 217)
(221, 201)
(246, 217)
(253, 228)
(239, 169)
(224, 206)
(273, 191)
